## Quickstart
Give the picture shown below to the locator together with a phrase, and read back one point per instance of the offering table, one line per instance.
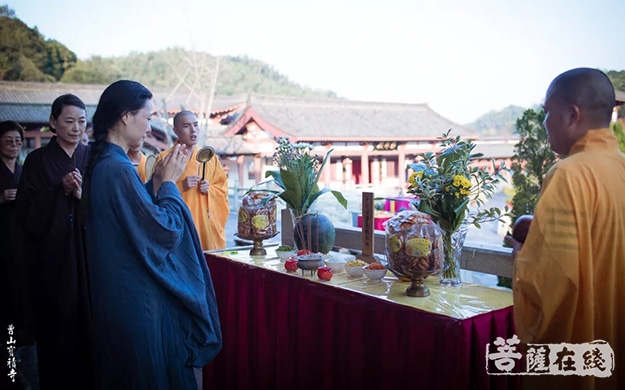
(288, 331)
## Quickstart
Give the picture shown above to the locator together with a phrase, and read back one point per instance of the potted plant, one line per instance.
(445, 184)
(298, 175)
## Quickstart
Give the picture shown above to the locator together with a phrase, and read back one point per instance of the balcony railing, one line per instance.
(475, 257)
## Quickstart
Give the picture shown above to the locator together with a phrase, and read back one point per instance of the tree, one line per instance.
(25, 55)
(618, 81)
(6, 11)
(617, 128)
(532, 159)
(96, 70)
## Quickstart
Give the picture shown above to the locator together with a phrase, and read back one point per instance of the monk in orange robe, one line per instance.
(138, 159)
(206, 198)
(569, 275)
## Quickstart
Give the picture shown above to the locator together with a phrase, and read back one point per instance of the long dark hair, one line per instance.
(117, 99)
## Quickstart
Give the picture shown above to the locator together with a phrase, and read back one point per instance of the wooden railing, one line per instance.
(475, 257)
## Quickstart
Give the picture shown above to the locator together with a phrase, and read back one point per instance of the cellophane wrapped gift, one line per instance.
(257, 215)
(414, 244)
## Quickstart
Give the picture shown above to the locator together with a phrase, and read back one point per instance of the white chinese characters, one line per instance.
(595, 358)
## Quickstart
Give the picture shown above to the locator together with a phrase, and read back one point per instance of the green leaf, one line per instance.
(339, 196)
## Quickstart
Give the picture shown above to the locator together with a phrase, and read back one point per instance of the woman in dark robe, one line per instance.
(154, 311)
(13, 287)
(11, 138)
(48, 197)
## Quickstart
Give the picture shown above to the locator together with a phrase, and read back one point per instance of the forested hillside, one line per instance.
(502, 123)
(26, 55)
(498, 123)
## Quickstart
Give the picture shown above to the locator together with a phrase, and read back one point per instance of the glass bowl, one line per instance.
(414, 249)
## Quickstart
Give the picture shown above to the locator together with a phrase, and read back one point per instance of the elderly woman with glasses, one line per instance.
(13, 296)
(11, 136)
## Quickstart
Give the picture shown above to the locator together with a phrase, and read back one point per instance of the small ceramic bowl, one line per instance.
(375, 274)
(283, 255)
(355, 271)
(337, 264)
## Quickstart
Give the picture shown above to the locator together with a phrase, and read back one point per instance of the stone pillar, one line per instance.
(401, 165)
(375, 171)
(348, 173)
(364, 167)
(257, 168)
(327, 175)
(241, 170)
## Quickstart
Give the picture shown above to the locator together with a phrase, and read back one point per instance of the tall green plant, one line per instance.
(617, 128)
(532, 159)
(298, 174)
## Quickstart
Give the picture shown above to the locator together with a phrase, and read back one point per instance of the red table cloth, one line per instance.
(285, 332)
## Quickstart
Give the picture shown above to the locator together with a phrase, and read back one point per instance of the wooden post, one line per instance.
(367, 228)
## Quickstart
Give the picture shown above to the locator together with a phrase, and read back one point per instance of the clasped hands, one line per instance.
(193, 181)
(72, 183)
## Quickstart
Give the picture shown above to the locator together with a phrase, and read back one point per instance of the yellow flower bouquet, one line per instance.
(445, 183)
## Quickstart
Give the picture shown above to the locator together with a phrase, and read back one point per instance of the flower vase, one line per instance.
(452, 248)
(312, 231)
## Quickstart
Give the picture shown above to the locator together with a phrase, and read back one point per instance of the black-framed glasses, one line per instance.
(11, 141)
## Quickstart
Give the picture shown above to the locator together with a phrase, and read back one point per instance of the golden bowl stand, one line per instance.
(257, 247)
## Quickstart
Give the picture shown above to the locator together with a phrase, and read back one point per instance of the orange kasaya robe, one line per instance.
(569, 277)
(141, 167)
(209, 211)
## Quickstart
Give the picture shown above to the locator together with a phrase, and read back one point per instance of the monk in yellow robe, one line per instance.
(569, 275)
(138, 160)
(206, 198)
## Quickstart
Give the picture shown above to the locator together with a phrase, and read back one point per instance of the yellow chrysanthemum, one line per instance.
(414, 176)
(461, 182)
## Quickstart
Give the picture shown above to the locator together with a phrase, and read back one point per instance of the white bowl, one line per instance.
(284, 255)
(355, 271)
(375, 274)
(336, 263)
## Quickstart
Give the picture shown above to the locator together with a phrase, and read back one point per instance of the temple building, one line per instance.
(371, 142)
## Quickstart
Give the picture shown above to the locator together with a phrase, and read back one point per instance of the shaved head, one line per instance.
(590, 90)
(181, 114)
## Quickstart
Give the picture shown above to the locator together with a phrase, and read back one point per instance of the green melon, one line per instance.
(314, 232)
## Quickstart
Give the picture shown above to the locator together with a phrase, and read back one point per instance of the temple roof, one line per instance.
(343, 120)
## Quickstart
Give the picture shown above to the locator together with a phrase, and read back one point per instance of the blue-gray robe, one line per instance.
(153, 304)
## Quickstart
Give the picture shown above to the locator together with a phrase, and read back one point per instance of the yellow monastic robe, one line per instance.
(141, 167)
(569, 277)
(209, 211)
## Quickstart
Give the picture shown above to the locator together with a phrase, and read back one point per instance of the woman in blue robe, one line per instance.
(153, 305)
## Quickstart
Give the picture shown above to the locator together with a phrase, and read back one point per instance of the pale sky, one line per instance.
(463, 58)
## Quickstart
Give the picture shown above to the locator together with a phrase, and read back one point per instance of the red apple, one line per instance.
(290, 265)
(324, 273)
(521, 227)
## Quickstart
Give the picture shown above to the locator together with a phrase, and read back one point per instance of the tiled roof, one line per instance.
(327, 119)
(495, 150)
(339, 119)
(34, 113)
(45, 93)
(230, 146)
